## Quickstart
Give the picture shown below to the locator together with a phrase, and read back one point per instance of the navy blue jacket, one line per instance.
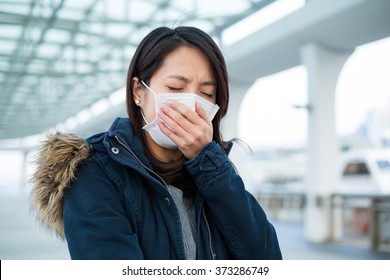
(118, 208)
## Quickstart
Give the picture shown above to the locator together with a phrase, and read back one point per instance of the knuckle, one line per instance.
(179, 119)
(194, 138)
(173, 126)
(198, 135)
(187, 110)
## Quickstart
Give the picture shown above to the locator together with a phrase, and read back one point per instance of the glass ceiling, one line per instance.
(58, 57)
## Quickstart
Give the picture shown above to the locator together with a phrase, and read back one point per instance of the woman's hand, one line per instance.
(189, 130)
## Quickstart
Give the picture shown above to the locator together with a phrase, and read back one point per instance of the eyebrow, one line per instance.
(185, 79)
(209, 83)
(179, 77)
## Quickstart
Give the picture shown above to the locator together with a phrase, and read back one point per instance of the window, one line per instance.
(356, 168)
(384, 165)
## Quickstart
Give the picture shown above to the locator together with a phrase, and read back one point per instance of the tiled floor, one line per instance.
(295, 247)
(21, 237)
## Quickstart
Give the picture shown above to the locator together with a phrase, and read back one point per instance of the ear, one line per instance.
(138, 89)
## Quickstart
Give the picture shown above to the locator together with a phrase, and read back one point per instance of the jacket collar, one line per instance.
(130, 150)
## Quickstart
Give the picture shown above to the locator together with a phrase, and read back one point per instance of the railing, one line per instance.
(282, 205)
(362, 218)
(358, 219)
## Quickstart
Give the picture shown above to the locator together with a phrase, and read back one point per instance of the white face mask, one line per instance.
(188, 99)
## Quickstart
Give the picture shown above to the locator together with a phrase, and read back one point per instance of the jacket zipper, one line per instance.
(140, 162)
(213, 255)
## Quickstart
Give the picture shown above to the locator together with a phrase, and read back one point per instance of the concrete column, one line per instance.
(229, 125)
(323, 68)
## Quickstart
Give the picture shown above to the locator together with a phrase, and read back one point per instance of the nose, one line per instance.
(192, 87)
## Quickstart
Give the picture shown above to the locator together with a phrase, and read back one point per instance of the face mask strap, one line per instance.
(143, 116)
(145, 85)
(142, 113)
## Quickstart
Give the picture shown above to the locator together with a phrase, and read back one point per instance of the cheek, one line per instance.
(149, 108)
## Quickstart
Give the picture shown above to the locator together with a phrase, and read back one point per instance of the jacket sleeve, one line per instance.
(95, 221)
(238, 215)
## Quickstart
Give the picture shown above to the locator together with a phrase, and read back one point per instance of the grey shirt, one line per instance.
(186, 209)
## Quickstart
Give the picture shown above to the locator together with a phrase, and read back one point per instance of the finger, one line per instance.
(168, 132)
(181, 129)
(175, 122)
(185, 130)
(179, 118)
(184, 110)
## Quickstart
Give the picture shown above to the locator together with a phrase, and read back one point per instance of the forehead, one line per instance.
(186, 61)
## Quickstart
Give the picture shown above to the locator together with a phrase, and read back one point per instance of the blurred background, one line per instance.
(310, 96)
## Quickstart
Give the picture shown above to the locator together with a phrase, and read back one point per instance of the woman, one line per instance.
(158, 185)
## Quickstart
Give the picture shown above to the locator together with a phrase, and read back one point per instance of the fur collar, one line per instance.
(56, 167)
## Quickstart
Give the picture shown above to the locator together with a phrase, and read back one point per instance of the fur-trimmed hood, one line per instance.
(56, 167)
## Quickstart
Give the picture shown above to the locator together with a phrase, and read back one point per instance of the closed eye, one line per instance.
(174, 89)
(209, 95)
